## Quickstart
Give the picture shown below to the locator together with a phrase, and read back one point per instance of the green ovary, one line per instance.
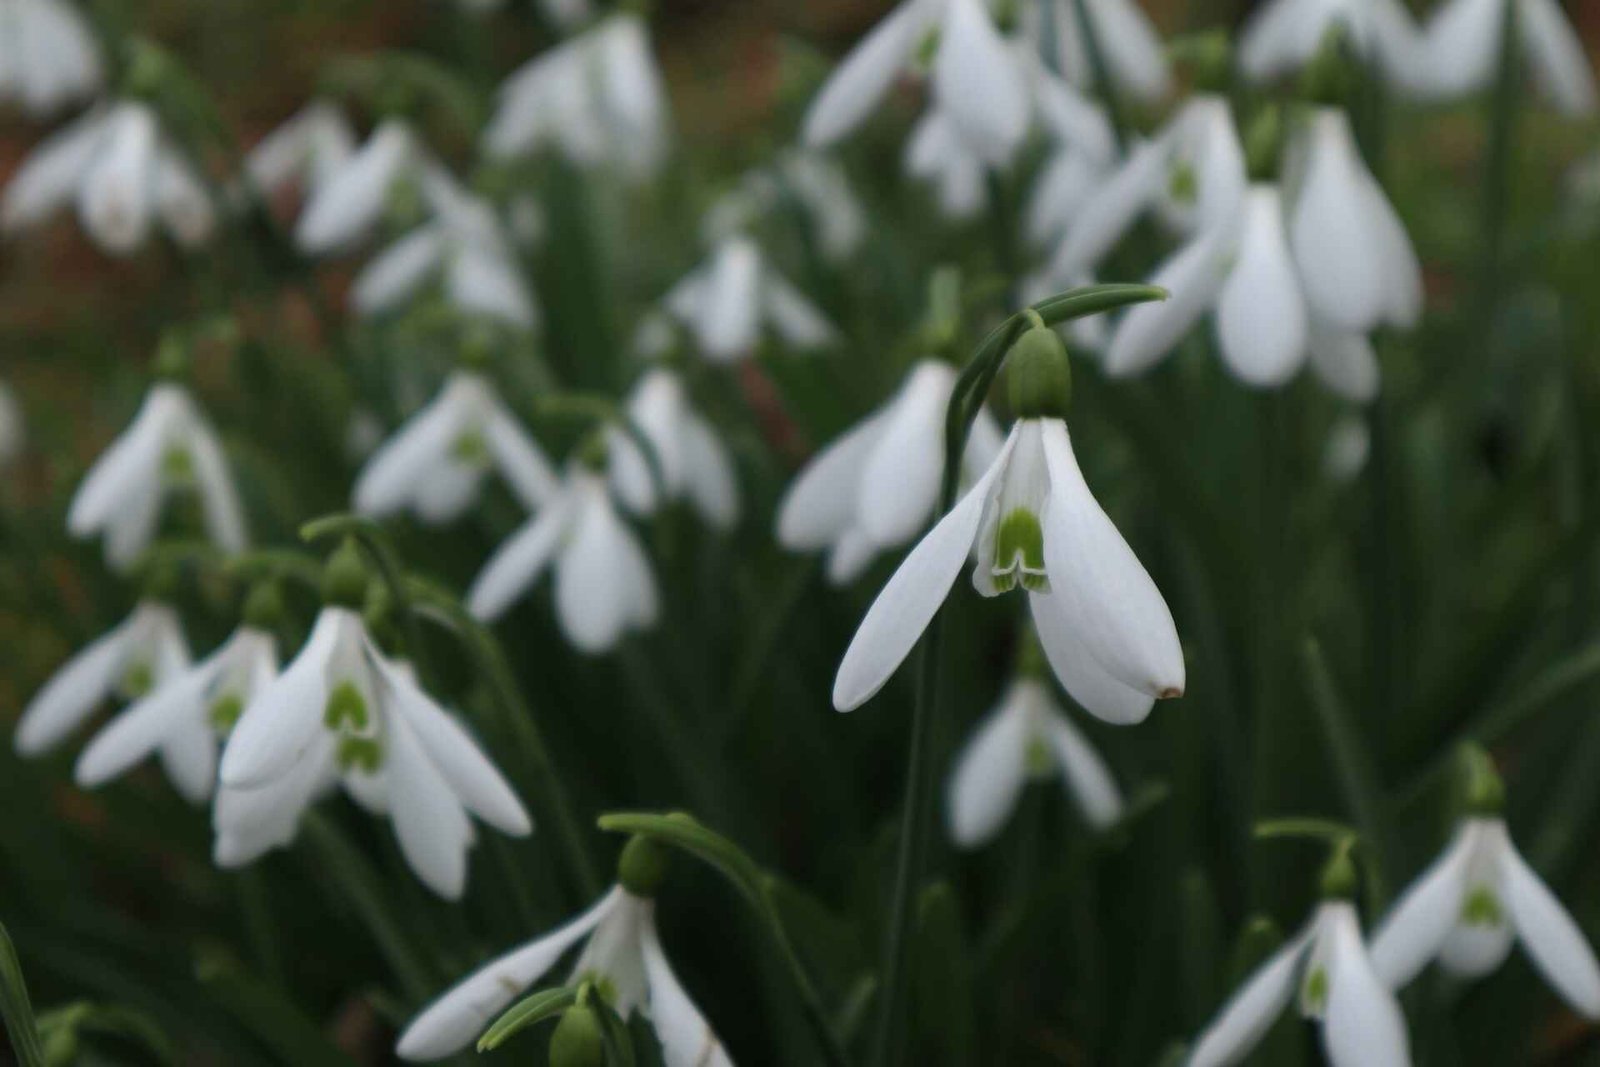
(1482, 908)
(1019, 547)
(177, 466)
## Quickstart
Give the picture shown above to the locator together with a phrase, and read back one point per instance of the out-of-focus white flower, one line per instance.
(352, 196)
(144, 652)
(168, 447)
(1026, 736)
(123, 174)
(308, 150)
(877, 485)
(1084, 152)
(48, 55)
(1283, 35)
(1031, 521)
(1468, 908)
(1134, 55)
(976, 80)
(1327, 964)
(598, 98)
(434, 464)
(818, 186)
(343, 712)
(1349, 443)
(462, 245)
(604, 585)
(936, 154)
(1461, 48)
(690, 460)
(726, 300)
(182, 718)
(13, 427)
(620, 948)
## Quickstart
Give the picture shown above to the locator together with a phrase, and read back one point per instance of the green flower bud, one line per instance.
(1263, 143)
(344, 579)
(263, 607)
(1485, 792)
(147, 69)
(1040, 374)
(1339, 879)
(577, 1041)
(477, 348)
(172, 359)
(642, 866)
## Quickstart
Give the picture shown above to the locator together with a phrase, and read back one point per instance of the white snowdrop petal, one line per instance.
(1557, 59)
(352, 200)
(794, 318)
(979, 84)
(517, 563)
(429, 820)
(484, 283)
(1339, 251)
(388, 481)
(189, 756)
(1194, 276)
(277, 728)
(1250, 1013)
(1262, 327)
(48, 179)
(470, 774)
(224, 515)
(687, 1040)
(1363, 1026)
(1417, 925)
(445, 489)
(900, 481)
(397, 272)
(72, 693)
(1269, 42)
(989, 774)
(142, 728)
(727, 323)
(1461, 46)
(130, 466)
(1553, 941)
(1088, 778)
(1475, 950)
(182, 201)
(635, 98)
(1061, 634)
(712, 483)
(859, 82)
(1134, 50)
(849, 557)
(115, 198)
(1107, 215)
(130, 531)
(594, 598)
(819, 504)
(521, 462)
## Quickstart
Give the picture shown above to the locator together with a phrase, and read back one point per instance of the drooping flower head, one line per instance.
(685, 459)
(1283, 36)
(48, 55)
(307, 151)
(1129, 43)
(355, 191)
(729, 300)
(1462, 44)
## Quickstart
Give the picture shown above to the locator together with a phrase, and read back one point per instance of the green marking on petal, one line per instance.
(346, 708)
(471, 449)
(1482, 908)
(1019, 546)
(137, 680)
(927, 49)
(1183, 185)
(225, 712)
(360, 753)
(1314, 994)
(177, 467)
(1039, 760)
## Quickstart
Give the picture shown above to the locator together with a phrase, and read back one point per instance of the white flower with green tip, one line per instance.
(728, 301)
(1283, 36)
(48, 55)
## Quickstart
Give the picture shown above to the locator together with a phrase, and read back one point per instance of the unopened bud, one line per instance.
(642, 866)
(344, 579)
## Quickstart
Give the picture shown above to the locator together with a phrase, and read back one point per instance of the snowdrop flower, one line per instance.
(182, 718)
(48, 56)
(309, 150)
(435, 463)
(976, 80)
(1084, 152)
(1284, 35)
(692, 461)
(598, 98)
(1349, 444)
(169, 447)
(1026, 736)
(604, 585)
(1476, 899)
(353, 195)
(726, 300)
(1354, 257)
(343, 711)
(144, 652)
(464, 246)
(819, 188)
(936, 154)
(1193, 170)
(1031, 521)
(1461, 51)
(1265, 327)
(876, 486)
(13, 427)
(1134, 55)
(621, 953)
(1327, 968)
(124, 176)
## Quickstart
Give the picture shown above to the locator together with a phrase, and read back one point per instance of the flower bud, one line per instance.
(172, 359)
(263, 607)
(1040, 374)
(1339, 880)
(344, 579)
(577, 1041)
(642, 866)
(1485, 792)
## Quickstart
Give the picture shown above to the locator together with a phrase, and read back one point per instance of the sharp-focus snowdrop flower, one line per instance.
(168, 448)
(182, 719)
(1282, 36)
(727, 300)
(692, 462)
(123, 174)
(1266, 330)
(1461, 48)
(877, 485)
(1030, 521)
(1135, 57)
(308, 151)
(144, 652)
(435, 463)
(13, 427)
(353, 195)
(598, 98)
(1468, 908)
(342, 711)
(463, 246)
(1325, 967)
(604, 585)
(1359, 268)
(1026, 736)
(48, 56)
(621, 953)
(976, 80)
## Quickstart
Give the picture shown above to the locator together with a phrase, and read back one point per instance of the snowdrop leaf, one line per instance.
(15, 1007)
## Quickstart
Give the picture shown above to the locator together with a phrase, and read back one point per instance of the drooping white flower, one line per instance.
(1083, 153)
(1283, 35)
(1327, 969)
(353, 195)
(1468, 908)
(13, 426)
(1026, 736)
(183, 717)
(597, 98)
(435, 463)
(604, 585)
(1359, 268)
(342, 711)
(311, 147)
(1349, 444)
(124, 176)
(169, 447)
(48, 55)
(818, 186)
(620, 949)
(1461, 48)
(1031, 521)
(1134, 55)
(1266, 330)
(877, 485)
(143, 652)
(463, 246)
(976, 80)
(727, 300)
(689, 459)
(936, 154)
